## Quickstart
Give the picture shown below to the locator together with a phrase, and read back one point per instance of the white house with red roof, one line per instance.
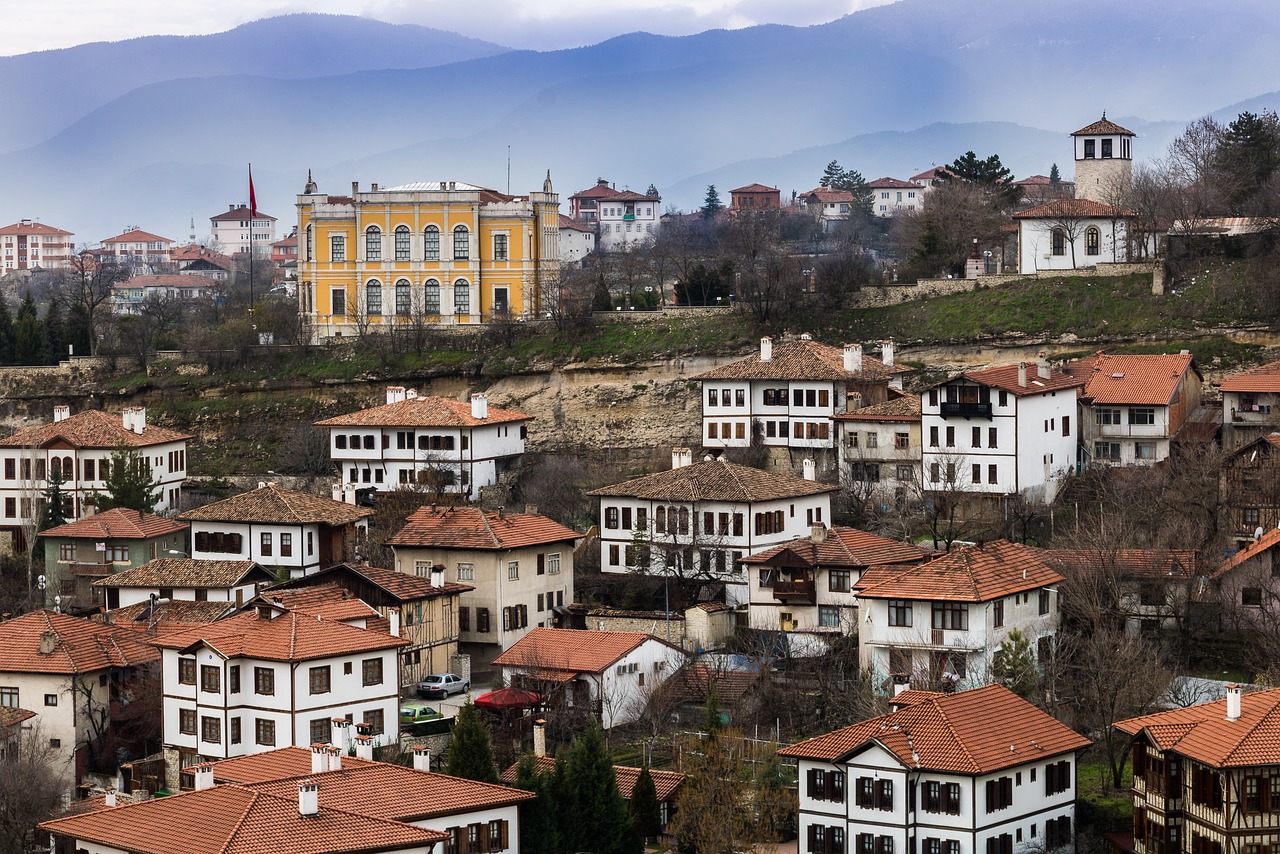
(132, 295)
(577, 241)
(232, 233)
(892, 196)
(941, 622)
(1069, 234)
(1250, 404)
(612, 674)
(137, 248)
(1005, 430)
(627, 218)
(183, 579)
(976, 772)
(879, 450)
(518, 566)
(31, 245)
(458, 446)
(583, 204)
(829, 207)
(271, 678)
(1132, 406)
(196, 260)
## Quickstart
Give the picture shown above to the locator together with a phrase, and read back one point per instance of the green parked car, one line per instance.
(418, 714)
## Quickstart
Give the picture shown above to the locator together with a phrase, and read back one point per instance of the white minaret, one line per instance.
(1104, 161)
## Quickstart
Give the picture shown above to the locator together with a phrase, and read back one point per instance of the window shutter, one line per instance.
(813, 836)
(1006, 791)
(991, 805)
(813, 783)
(829, 786)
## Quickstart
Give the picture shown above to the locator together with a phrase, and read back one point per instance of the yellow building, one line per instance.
(433, 252)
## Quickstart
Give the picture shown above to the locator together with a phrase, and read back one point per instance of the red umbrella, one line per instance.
(508, 698)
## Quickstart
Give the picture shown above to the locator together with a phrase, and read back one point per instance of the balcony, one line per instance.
(629, 217)
(966, 410)
(795, 591)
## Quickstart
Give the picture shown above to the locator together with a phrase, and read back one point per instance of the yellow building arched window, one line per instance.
(402, 243)
(431, 299)
(461, 297)
(461, 244)
(373, 298)
(403, 298)
(373, 243)
(431, 243)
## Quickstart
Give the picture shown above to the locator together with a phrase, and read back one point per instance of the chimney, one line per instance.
(319, 758)
(531, 510)
(373, 187)
(900, 684)
(766, 349)
(421, 757)
(393, 617)
(308, 799)
(1022, 374)
(853, 358)
(355, 189)
(262, 484)
(1042, 368)
(335, 757)
(681, 457)
(395, 394)
(853, 401)
(364, 747)
(810, 470)
(411, 394)
(437, 575)
(539, 738)
(479, 405)
(1233, 701)
(204, 776)
(340, 733)
(61, 413)
(818, 533)
(48, 642)
(111, 797)
(134, 419)
(231, 207)
(886, 351)
(336, 491)
(805, 336)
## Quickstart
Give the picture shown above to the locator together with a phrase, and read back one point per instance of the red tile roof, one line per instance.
(931, 173)
(666, 782)
(953, 733)
(571, 650)
(969, 574)
(12, 715)
(1072, 209)
(601, 190)
(426, 411)
(1103, 127)
(276, 505)
(195, 252)
(1265, 543)
(802, 360)
(1144, 380)
(328, 601)
(904, 409)
(842, 547)
(1260, 379)
(78, 645)
(1127, 564)
(473, 528)
(574, 225)
(135, 236)
(117, 524)
(92, 428)
(1203, 733)
(174, 615)
(398, 585)
(715, 480)
(241, 212)
(290, 637)
(186, 572)
(755, 188)
(892, 184)
(233, 819)
(696, 682)
(630, 196)
(1006, 377)
(827, 196)
(30, 227)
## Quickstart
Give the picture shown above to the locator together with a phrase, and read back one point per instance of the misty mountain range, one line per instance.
(158, 130)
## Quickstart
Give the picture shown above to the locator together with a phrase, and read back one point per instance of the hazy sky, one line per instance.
(543, 24)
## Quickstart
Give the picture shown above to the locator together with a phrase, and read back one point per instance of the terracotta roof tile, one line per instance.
(842, 547)
(426, 411)
(755, 188)
(969, 574)
(892, 184)
(666, 782)
(117, 524)
(953, 733)
(571, 650)
(1072, 209)
(827, 196)
(278, 506)
(1265, 543)
(1128, 564)
(186, 572)
(92, 428)
(1103, 127)
(12, 715)
(1145, 380)
(1262, 378)
(802, 360)
(473, 528)
(241, 212)
(292, 636)
(79, 645)
(1006, 377)
(1203, 733)
(573, 225)
(695, 682)
(135, 236)
(931, 173)
(328, 601)
(904, 409)
(714, 480)
(630, 196)
(30, 227)
(174, 615)
(601, 190)
(398, 585)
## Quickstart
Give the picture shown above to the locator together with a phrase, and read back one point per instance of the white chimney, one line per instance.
(340, 733)
(134, 419)
(111, 797)
(319, 758)
(364, 747)
(900, 686)
(61, 413)
(393, 617)
(204, 776)
(818, 533)
(335, 757)
(681, 457)
(421, 757)
(308, 799)
(411, 394)
(479, 405)
(1233, 701)
(810, 470)
(1042, 368)
(766, 349)
(395, 394)
(1022, 374)
(886, 351)
(336, 491)
(853, 358)
(437, 575)
(805, 336)
(539, 738)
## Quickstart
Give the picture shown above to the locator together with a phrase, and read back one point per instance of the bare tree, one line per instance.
(86, 286)
(30, 787)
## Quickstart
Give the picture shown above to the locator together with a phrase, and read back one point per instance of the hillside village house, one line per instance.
(931, 777)
(421, 609)
(1204, 777)
(1006, 430)
(266, 679)
(77, 676)
(943, 620)
(232, 581)
(828, 207)
(612, 674)
(234, 233)
(1132, 406)
(77, 553)
(282, 529)
(754, 197)
(445, 444)
(879, 451)
(138, 249)
(134, 293)
(1154, 590)
(430, 252)
(1249, 488)
(577, 241)
(583, 205)
(196, 260)
(1250, 405)
(698, 520)
(31, 245)
(804, 587)
(627, 218)
(891, 196)
(519, 566)
(1247, 585)
(78, 449)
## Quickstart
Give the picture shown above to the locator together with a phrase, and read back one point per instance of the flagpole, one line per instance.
(253, 213)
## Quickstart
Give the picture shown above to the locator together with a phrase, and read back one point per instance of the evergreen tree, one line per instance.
(645, 810)
(989, 173)
(78, 330)
(539, 818)
(652, 192)
(128, 484)
(714, 719)
(55, 334)
(831, 175)
(28, 334)
(57, 508)
(6, 333)
(851, 181)
(471, 755)
(1055, 177)
(603, 821)
(711, 205)
(1014, 666)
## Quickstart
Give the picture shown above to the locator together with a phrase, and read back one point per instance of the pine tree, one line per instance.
(645, 810)
(28, 334)
(711, 205)
(471, 755)
(55, 333)
(6, 333)
(57, 504)
(539, 818)
(128, 484)
(1014, 666)
(78, 330)
(652, 192)
(832, 174)
(603, 821)
(1055, 177)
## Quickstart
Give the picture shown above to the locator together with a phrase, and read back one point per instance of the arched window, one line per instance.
(660, 520)
(373, 298)
(461, 244)
(1058, 242)
(402, 243)
(1092, 241)
(68, 470)
(461, 297)
(373, 243)
(55, 469)
(431, 303)
(431, 243)
(684, 520)
(402, 298)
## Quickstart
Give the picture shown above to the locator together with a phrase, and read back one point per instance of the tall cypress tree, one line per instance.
(78, 330)
(645, 810)
(539, 818)
(471, 754)
(603, 821)
(28, 334)
(55, 333)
